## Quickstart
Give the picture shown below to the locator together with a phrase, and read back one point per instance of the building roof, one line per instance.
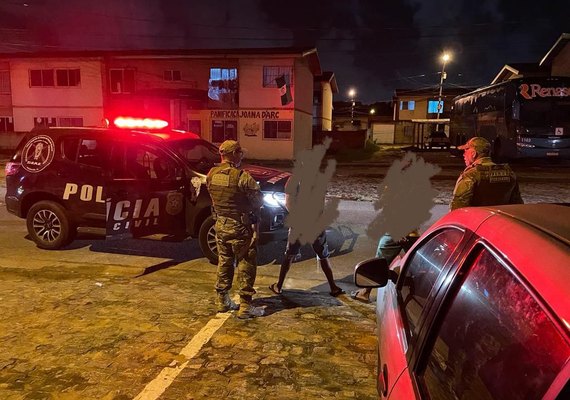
(556, 49)
(328, 76)
(310, 53)
(519, 70)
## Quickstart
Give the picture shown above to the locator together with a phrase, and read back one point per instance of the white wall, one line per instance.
(327, 100)
(85, 100)
(252, 94)
(250, 130)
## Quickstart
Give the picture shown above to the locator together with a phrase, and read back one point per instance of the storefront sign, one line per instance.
(264, 114)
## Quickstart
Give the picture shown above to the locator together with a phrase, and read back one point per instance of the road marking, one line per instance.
(159, 384)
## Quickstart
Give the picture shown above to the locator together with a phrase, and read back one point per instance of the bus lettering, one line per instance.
(529, 92)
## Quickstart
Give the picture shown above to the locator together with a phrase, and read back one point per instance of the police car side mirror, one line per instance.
(373, 273)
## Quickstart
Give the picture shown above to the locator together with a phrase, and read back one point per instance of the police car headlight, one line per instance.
(274, 199)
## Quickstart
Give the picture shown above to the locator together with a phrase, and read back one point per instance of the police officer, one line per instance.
(236, 199)
(483, 182)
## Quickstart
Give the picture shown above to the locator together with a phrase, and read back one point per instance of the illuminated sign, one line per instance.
(531, 91)
(265, 114)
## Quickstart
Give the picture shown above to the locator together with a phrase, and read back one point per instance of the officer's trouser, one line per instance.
(232, 239)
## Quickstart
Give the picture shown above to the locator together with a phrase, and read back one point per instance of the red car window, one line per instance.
(496, 341)
(422, 271)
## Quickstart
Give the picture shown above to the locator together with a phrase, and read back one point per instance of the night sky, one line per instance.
(375, 46)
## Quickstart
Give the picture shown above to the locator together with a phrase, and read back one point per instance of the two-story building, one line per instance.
(418, 109)
(261, 97)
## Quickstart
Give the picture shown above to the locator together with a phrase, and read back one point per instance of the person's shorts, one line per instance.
(320, 246)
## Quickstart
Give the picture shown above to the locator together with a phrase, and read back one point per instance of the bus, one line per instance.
(521, 118)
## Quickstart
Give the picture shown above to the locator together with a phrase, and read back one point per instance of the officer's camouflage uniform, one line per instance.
(236, 199)
(485, 183)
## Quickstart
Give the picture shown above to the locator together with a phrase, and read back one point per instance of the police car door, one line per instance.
(81, 174)
(145, 192)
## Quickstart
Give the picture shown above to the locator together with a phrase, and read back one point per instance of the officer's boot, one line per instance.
(247, 310)
(224, 303)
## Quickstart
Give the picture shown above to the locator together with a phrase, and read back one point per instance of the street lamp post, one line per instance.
(351, 94)
(445, 58)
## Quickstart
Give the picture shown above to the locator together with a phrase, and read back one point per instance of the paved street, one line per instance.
(102, 320)
(135, 319)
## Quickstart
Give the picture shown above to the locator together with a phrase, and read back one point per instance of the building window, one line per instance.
(5, 82)
(6, 124)
(223, 130)
(172, 75)
(41, 78)
(51, 78)
(44, 122)
(408, 105)
(277, 129)
(122, 80)
(195, 126)
(271, 73)
(68, 77)
(223, 84)
(70, 121)
(432, 107)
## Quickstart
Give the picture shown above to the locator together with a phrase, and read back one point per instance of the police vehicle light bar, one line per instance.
(139, 123)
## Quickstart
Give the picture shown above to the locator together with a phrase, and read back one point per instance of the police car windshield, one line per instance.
(201, 155)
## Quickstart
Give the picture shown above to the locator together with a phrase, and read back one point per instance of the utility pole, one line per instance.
(352, 94)
(444, 58)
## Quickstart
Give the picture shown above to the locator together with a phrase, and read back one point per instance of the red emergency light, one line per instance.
(139, 123)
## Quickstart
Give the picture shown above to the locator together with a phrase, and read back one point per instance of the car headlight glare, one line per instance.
(274, 199)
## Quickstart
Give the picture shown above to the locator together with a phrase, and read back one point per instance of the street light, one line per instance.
(352, 94)
(372, 111)
(444, 58)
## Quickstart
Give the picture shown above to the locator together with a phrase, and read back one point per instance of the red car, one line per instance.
(478, 308)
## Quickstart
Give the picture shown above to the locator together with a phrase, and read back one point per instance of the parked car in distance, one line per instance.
(478, 308)
(124, 181)
(437, 139)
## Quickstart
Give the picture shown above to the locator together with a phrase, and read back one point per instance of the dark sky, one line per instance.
(374, 46)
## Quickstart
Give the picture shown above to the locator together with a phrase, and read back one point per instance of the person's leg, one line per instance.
(362, 294)
(288, 257)
(388, 249)
(320, 246)
(247, 271)
(326, 267)
(225, 273)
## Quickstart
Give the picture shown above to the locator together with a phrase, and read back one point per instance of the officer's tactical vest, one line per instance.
(227, 199)
(494, 186)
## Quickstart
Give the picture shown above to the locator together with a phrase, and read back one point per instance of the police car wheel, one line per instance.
(207, 240)
(49, 226)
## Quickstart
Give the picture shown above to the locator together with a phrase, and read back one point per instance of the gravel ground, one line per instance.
(366, 189)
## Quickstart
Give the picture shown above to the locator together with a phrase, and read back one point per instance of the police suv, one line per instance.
(125, 182)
